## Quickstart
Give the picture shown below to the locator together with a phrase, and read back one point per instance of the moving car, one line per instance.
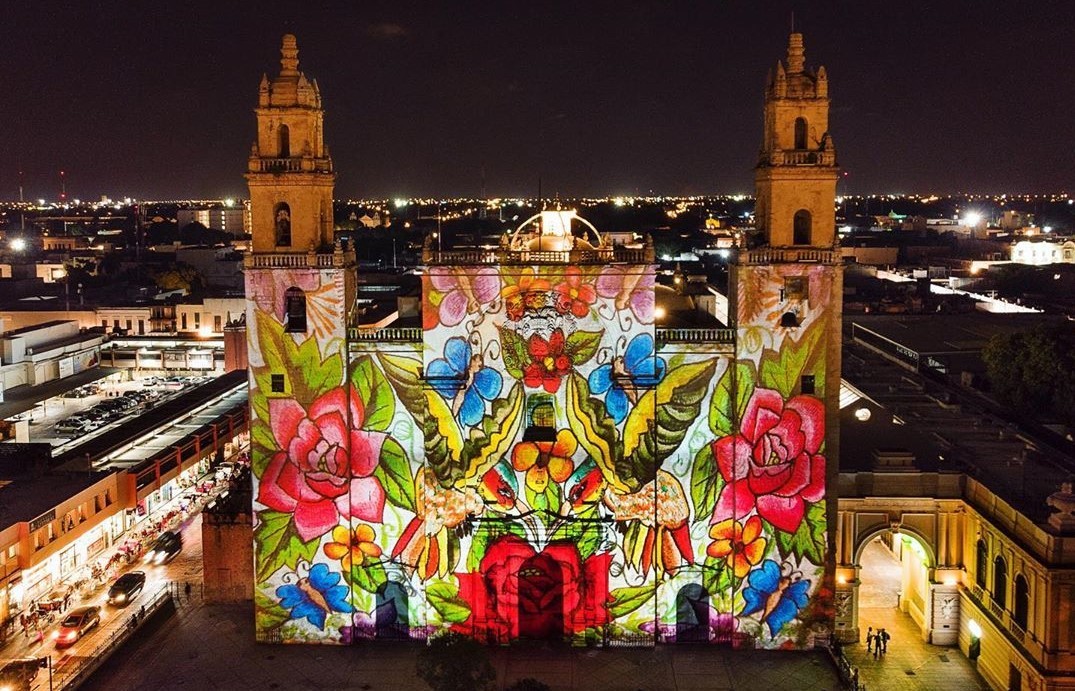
(76, 624)
(165, 548)
(126, 588)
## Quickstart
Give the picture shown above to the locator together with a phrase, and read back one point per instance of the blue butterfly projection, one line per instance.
(778, 596)
(312, 598)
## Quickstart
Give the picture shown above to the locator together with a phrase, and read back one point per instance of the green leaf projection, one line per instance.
(539, 464)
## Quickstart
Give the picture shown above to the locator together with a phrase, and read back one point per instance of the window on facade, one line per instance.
(982, 564)
(276, 383)
(789, 320)
(800, 133)
(1022, 601)
(115, 324)
(802, 227)
(282, 214)
(141, 327)
(1000, 582)
(541, 419)
(128, 325)
(806, 384)
(285, 141)
(96, 504)
(216, 324)
(183, 321)
(197, 320)
(295, 310)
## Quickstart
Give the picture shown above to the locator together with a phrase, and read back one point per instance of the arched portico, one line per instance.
(899, 561)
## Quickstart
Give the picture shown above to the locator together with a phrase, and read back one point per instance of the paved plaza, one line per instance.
(212, 647)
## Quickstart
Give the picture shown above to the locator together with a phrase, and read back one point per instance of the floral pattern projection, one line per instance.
(538, 468)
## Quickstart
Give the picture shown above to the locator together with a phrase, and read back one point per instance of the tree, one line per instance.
(453, 662)
(1033, 371)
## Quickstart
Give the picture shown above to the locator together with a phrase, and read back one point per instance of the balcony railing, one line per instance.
(290, 165)
(299, 260)
(722, 336)
(799, 157)
(504, 256)
(387, 335)
(785, 255)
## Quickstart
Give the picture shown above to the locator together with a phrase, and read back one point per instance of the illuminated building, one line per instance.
(548, 456)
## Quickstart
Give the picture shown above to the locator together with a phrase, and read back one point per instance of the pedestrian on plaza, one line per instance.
(186, 590)
(869, 640)
(876, 646)
(883, 641)
(66, 599)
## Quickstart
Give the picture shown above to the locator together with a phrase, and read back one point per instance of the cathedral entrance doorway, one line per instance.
(541, 599)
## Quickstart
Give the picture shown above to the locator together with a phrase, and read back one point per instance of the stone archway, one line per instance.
(894, 573)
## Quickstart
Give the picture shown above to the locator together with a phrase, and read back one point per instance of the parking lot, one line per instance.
(85, 411)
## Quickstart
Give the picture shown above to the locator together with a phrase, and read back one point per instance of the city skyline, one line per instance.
(593, 100)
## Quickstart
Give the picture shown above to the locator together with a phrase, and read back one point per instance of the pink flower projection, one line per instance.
(324, 470)
(463, 292)
(774, 464)
(630, 287)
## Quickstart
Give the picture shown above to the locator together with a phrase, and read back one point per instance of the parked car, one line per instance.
(165, 548)
(76, 624)
(126, 588)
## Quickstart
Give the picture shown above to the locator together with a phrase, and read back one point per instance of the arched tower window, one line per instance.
(1000, 582)
(282, 214)
(285, 141)
(294, 310)
(802, 227)
(982, 564)
(789, 320)
(800, 133)
(1022, 601)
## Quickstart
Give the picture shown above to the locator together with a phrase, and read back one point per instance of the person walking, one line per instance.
(876, 645)
(882, 640)
(186, 590)
(869, 640)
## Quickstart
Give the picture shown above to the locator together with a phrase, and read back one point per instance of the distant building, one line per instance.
(1044, 250)
(235, 221)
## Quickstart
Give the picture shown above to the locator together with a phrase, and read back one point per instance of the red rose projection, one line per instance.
(774, 463)
(324, 470)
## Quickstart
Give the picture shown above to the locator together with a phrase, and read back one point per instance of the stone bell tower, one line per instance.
(787, 280)
(290, 171)
(795, 179)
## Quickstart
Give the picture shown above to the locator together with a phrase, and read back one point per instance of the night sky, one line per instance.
(155, 99)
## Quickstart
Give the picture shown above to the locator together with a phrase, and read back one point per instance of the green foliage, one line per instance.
(454, 662)
(444, 598)
(516, 354)
(494, 434)
(730, 397)
(627, 600)
(581, 346)
(480, 541)
(678, 402)
(270, 615)
(368, 577)
(308, 374)
(809, 540)
(375, 393)
(1033, 371)
(716, 577)
(783, 373)
(597, 434)
(280, 544)
(404, 374)
(706, 482)
(549, 500)
(394, 472)
(263, 445)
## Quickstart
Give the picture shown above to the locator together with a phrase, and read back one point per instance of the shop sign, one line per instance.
(43, 520)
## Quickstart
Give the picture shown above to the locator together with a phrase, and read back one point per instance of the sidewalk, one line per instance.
(213, 647)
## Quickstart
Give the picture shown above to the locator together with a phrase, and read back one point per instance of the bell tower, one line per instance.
(289, 172)
(795, 179)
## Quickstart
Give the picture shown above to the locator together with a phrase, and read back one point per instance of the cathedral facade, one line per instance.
(546, 457)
